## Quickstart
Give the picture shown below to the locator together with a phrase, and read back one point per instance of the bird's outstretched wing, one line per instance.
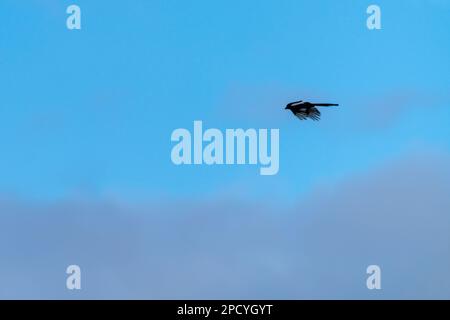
(301, 115)
(312, 113)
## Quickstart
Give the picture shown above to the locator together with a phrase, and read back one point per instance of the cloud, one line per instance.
(386, 109)
(263, 105)
(396, 216)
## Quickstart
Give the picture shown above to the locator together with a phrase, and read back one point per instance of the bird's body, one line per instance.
(304, 110)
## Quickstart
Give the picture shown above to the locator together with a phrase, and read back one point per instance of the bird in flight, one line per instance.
(304, 110)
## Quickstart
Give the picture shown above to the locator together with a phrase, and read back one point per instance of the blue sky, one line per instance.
(88, 114)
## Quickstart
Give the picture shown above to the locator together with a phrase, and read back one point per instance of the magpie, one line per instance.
(304, 110)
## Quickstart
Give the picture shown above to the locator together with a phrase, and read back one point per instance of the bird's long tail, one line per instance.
(326, 104)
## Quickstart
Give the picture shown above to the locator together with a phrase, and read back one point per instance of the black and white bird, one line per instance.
(304, 110)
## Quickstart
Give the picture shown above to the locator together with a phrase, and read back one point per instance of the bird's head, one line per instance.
(289, 105)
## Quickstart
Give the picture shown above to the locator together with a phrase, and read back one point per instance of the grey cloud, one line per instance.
(384, 110)
(397, 217)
